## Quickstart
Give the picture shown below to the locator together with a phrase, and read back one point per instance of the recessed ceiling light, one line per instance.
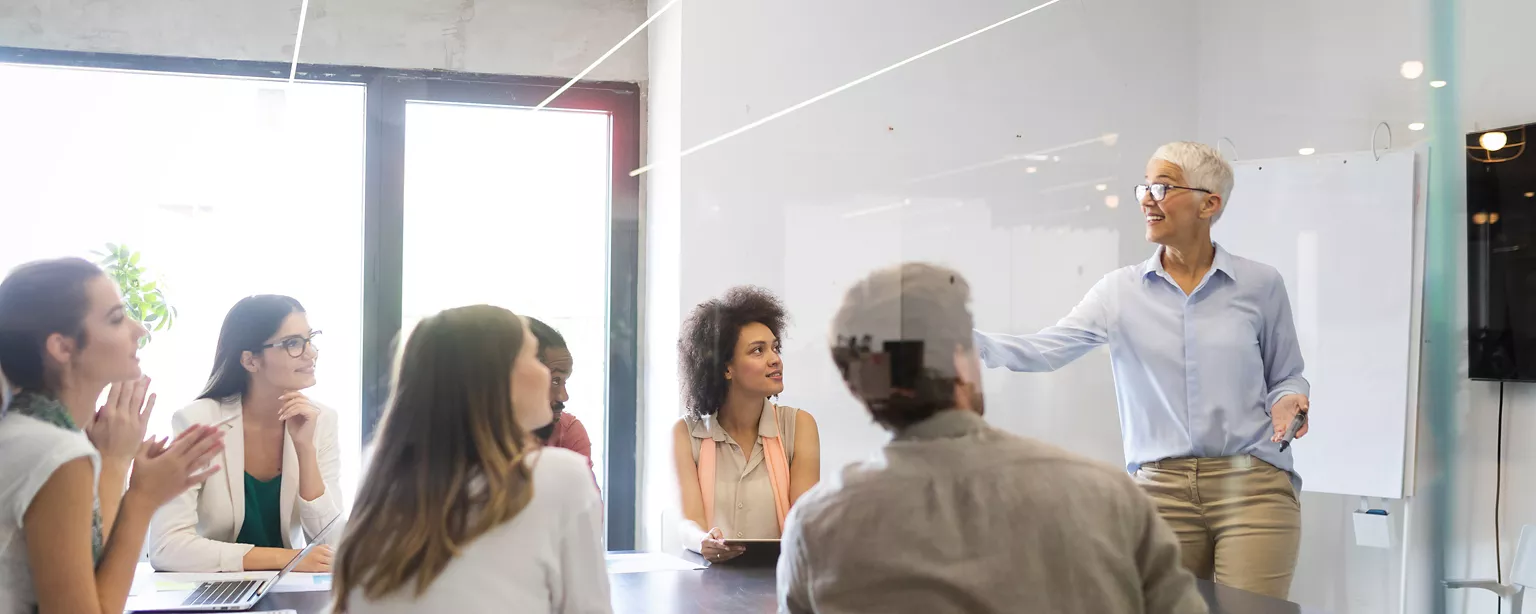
(1437, 84)
(1493, 141)
(1101, 187)
(1416, 126)
(1412, 69)
(1530, 194)
(1055, 158)
(1306, 151)
(1112, 201)
(1031, 169)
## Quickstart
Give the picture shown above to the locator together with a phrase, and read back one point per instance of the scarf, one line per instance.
(50, 410)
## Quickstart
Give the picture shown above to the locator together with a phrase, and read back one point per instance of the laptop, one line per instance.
(223, 595)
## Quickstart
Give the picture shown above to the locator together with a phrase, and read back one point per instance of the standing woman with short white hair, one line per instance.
(1208, 375)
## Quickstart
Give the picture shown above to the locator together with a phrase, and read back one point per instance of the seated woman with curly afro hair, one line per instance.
(742, 460)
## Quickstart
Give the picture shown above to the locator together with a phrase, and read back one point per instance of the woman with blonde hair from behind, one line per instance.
(460, 510)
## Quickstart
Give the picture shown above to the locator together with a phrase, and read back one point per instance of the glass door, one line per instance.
(481, 199)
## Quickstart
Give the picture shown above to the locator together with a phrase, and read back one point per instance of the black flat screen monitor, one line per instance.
(1501, 254)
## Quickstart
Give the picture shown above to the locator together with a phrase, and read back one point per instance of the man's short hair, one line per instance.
(1203, 168)
(895, 338)
(547, 336)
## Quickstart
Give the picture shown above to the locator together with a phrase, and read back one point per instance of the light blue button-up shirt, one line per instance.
(1195, 375)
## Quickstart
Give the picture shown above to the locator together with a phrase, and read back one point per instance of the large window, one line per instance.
(226, 188)
(522, 226)
(373, 196)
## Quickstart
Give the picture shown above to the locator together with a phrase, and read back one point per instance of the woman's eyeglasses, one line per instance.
(295, 346)
(1160, 190)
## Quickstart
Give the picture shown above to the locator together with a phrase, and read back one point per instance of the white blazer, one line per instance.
(196, 531)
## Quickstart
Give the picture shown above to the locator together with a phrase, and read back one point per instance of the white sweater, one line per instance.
(548, 558)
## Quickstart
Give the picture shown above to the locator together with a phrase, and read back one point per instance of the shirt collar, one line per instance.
(1221, 262)
(945, 424)
(709, 427)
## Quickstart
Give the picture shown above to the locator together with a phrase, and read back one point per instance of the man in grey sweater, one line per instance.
(954, 515)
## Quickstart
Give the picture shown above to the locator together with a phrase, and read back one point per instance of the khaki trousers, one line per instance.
(1237, 519)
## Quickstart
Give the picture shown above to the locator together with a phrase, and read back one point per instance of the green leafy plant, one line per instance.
(144, 299)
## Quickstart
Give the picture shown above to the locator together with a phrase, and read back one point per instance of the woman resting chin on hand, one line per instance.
(280, 485)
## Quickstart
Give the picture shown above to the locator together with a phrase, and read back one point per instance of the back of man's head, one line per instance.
(910, 327)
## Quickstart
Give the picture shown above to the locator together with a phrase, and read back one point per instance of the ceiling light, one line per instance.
(1031, 169)
(1306, 151)
(1412, 69)
(1437, 84)
(1493, 218)
(1416, 126)
(1530, 194)
(1112, 201)
(1055, 158)
(1479, 218)
(1101, 187)
(1493, 141)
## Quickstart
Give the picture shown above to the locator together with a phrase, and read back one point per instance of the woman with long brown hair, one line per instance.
(70, 534)
(460, 509)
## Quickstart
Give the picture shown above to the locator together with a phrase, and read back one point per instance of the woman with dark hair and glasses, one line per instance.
(281, 481)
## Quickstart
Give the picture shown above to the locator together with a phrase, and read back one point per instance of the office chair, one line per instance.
(1521, 575)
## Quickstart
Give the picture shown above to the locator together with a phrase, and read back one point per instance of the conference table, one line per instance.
(728, 589)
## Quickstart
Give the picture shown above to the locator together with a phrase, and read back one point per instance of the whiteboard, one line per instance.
(1341, 229)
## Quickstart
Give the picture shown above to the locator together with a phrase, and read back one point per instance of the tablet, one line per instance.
(759, 552)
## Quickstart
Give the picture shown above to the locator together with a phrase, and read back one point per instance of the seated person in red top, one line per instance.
(565, 431)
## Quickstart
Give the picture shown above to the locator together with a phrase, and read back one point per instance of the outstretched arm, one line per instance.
(1085, 328)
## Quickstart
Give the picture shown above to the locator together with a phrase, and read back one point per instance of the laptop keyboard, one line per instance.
(221, 593)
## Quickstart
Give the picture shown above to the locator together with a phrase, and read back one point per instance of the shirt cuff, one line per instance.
(316, 514)
(693, 536)
(1285, 389)
(232, 556)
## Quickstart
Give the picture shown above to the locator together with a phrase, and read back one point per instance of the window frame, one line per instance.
(388, 90)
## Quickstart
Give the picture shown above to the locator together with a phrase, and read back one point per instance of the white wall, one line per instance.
(519, 37)
(806, 204)
(883, 173)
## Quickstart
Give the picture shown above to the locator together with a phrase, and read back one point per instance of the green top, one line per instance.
(263, 526)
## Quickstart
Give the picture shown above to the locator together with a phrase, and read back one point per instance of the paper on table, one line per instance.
(304, 583)
(642, 562)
